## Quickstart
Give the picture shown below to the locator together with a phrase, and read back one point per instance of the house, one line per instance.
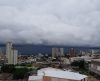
(52, 74)
(95, 66)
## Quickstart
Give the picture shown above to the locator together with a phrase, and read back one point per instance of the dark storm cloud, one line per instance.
(66, 22)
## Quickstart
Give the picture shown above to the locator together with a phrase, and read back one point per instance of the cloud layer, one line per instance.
(61, 22)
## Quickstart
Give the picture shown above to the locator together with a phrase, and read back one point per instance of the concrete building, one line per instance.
(11, 54)
(72, 52)
(52, 74)
(61, 51)
(65, 60)
(15, 56)
(8, 51)
(2, 56)
(57, 52)
(85, 58)
(54, 52)
(95, 66)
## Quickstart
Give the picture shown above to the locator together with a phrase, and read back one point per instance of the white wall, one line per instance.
(57, 79)
(98, 68)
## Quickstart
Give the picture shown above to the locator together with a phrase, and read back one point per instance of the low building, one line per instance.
(35, 78)
(95, 66)
(85, 58)
(52, 74)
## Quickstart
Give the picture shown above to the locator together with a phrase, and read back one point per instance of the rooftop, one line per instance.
(52, 72)
(97, 60)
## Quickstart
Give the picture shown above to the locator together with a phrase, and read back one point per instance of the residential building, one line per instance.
(72, 52)
(8, 51)
(11, 54)
(95, 66)
(57, 52)
(15, 56)
(61, 51)
(85, 58)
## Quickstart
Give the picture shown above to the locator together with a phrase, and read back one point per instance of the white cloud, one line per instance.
(67, 22)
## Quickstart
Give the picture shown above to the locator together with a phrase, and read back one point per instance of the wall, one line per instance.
(95, 67)
(46, 78)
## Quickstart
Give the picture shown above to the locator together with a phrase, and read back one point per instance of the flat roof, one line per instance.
(52, 72)
(97, 60)
(65, 75)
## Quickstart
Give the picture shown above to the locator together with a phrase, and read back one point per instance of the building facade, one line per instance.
(11, 54)
(72, 52)
(95, 66)
(15, 56)
(47, 78)
(57, 52)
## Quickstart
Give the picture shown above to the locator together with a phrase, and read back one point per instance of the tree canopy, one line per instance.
(19, 73)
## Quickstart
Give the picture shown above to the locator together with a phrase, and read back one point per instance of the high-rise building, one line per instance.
(57, 52)
(8, 52)
(53, 52)
(8, 49)
(61, 52)
(72, 52)
(14, 56)
(11, 54)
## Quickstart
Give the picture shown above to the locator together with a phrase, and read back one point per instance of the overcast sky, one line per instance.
(61, 22)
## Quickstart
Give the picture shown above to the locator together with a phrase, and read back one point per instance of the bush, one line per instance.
(19, 73)
(8, 68)
(80, 64)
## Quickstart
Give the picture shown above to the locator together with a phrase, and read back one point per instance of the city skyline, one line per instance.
(27, 49)
(50, 22)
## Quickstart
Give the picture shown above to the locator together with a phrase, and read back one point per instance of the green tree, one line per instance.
(8, 68)
(80, 64)
(19, 73)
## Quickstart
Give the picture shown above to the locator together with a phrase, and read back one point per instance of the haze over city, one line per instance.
(59, 22)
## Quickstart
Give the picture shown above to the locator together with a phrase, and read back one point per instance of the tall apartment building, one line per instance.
(14, 56)
(8, 50)
(57, 52)
(72, 52)
(11, 54)
(62, 51)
